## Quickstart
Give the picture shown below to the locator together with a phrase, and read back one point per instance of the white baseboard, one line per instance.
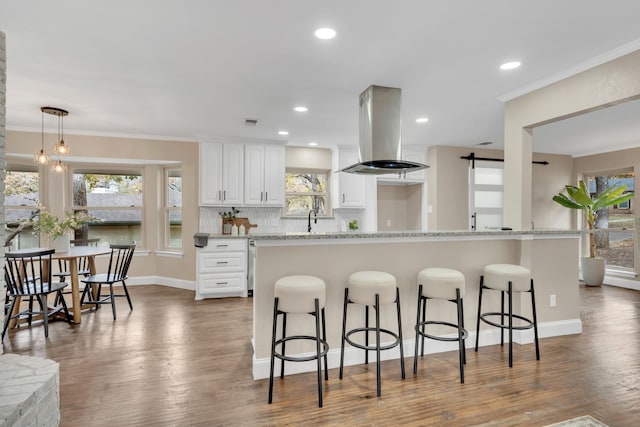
(354, 356)
(164, 281)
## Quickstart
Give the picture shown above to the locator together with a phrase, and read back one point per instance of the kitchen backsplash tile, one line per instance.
(270, 220)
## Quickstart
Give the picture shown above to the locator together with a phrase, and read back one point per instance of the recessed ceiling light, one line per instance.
(283, 132)
(300, 109)
(422, 120)
(325, 33)
(313, 144)
(510, 65)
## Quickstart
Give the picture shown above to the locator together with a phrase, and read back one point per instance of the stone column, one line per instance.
(3, 164)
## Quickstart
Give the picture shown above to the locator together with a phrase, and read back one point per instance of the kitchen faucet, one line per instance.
(315, 219)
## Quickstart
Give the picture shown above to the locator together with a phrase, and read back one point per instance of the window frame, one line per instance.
(326, 193)
(167, 209)
(13, 165)
(102, 169)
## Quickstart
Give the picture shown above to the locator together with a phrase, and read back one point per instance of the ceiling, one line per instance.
(194, 69)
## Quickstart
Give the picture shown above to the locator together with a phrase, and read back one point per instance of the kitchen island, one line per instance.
(551, 255)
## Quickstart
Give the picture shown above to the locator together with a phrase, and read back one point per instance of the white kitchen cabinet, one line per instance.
(221, 269)
(413, 155)
(221, 174)
(265, 175)
(351, 187)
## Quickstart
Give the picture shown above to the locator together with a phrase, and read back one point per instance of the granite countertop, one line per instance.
(392, 234)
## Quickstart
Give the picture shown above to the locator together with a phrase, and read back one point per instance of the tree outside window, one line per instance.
(113, 196)
(22, 194)
(305, 191)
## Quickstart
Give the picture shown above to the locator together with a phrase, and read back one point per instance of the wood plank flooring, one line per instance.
(174, 361)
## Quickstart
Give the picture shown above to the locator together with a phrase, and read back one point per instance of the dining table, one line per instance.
(72, 256)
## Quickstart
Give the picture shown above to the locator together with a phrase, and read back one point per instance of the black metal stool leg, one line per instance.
(378, 379)
(399, 332)
(424, 318)
(344, 330)
(464, 340)
(318, 353)
(535, 321)
(284, 334)
(479, 311)
(502, 318)
(415, 353)
(366, 337)
(324, 337)
(273, 347)
(460, 335)
(510, 324)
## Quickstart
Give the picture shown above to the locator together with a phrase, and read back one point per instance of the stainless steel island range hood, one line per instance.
(380, 148)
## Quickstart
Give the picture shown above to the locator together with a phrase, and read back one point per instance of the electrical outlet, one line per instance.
(552, 300)
(388, 223)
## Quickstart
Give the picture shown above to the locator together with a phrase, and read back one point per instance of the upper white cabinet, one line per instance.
(265, 175)
(221, 174)
(413, 155)
(351, 187)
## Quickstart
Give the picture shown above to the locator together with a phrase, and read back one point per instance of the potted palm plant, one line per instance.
(593, 267)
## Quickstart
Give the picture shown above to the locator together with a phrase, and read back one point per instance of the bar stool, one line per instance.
(508, 278)
(305, 295)
(441, 284)
(372, 288)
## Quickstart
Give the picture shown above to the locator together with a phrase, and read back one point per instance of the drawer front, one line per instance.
(217, 245)
(222, 262)
(211, 283)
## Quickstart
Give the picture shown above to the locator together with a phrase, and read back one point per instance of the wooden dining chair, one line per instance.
(117, 271)
(28, 274)
(83, 263)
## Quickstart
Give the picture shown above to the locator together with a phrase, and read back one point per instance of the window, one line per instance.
(115, 196)
(173, 208)
(614, 236)
(307, 190)
(22, 193)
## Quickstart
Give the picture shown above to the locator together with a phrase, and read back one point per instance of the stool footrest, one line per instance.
(465, 334)
(372, 347)
(529, 324)
(325, 348)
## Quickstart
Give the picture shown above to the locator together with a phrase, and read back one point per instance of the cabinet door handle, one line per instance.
(343, 198)
(266, 196)
(222, 262)
(219, 194)
(224, 195)
(261, 196)
(221, 246)
(222, 283)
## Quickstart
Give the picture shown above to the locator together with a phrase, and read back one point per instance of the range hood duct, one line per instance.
(380, 148)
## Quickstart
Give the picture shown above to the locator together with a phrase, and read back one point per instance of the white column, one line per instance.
(3, 163)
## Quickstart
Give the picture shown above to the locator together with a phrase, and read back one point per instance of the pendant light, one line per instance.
(41, 156)
(60, 148)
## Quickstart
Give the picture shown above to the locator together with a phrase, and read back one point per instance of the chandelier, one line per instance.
(61, 149)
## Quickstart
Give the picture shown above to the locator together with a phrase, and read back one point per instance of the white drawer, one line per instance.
(217, 245)
(222, 262)
(214, 283)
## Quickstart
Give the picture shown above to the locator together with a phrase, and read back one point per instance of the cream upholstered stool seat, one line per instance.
(372, 288)
(303, 295)
(509, 278)
(440, 284)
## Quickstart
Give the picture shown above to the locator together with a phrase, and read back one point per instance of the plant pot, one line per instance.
(593, 270)
(60, 244)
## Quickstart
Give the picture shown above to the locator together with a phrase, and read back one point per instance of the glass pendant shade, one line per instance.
(58, 167)
(41, 158)
(61, 148)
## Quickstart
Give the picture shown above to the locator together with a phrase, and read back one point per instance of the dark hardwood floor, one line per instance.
(174, 361)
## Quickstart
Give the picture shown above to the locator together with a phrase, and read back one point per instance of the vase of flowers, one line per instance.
(57, 230)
